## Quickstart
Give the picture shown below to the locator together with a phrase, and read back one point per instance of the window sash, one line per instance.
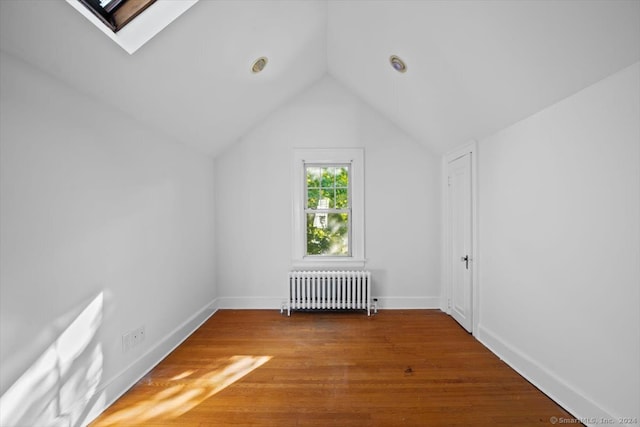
(307, 166)
(335, 238)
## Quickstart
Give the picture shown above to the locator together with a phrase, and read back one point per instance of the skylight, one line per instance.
(115, 14)
(138, 31)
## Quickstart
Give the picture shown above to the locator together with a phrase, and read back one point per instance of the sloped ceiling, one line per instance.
(474, 67)
(193, 80)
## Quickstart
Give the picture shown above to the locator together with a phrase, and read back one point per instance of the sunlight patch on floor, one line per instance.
(184, 374)
(191, 390)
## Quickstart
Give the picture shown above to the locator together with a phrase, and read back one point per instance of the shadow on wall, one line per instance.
(60, 387)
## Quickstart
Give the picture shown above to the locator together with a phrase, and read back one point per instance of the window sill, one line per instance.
(328, 262)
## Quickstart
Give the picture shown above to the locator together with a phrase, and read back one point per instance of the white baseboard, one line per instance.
(551, 384)
(114, 388)
(398, 303)
(250, 303)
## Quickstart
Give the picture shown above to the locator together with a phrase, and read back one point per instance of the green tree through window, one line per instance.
(328, 210)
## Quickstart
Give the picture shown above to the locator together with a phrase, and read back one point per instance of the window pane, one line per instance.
(323, 203)
(328, 234)
(342, 198)
(342, 177)
(313, 195)
(313, 177)
(328, 177)
(328, 198)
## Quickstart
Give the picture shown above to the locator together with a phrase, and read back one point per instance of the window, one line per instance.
(328, 210)
(115, 14)
(328, 207)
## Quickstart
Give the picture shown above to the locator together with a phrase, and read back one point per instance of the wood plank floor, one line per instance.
(397, 368)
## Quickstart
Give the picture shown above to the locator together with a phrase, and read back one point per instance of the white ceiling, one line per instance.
(474, 67)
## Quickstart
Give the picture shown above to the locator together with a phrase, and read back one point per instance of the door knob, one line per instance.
(465, 259)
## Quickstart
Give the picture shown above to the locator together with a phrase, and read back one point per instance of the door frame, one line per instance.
(469, 148)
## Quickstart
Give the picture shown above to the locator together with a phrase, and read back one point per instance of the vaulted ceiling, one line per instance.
(474, 67)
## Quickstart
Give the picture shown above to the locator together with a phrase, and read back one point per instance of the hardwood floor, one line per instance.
(397, 368)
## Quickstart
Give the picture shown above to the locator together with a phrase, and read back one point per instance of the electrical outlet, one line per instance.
(133, 338)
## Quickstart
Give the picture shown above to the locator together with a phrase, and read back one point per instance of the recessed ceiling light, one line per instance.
(398, 64)
(259, 64)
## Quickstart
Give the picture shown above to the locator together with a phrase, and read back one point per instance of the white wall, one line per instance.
(106, 226)
(559, 199)
(253, 202)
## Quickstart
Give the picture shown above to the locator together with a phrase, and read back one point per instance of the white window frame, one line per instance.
(328, 156)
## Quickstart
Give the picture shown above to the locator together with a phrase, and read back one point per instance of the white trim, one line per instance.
(115, 387)
(144, 27)
(550, 383)
(354, 156)
(400, 303)
(251, 303)
(469, 148)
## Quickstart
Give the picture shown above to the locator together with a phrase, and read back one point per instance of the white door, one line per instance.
(460, 256)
